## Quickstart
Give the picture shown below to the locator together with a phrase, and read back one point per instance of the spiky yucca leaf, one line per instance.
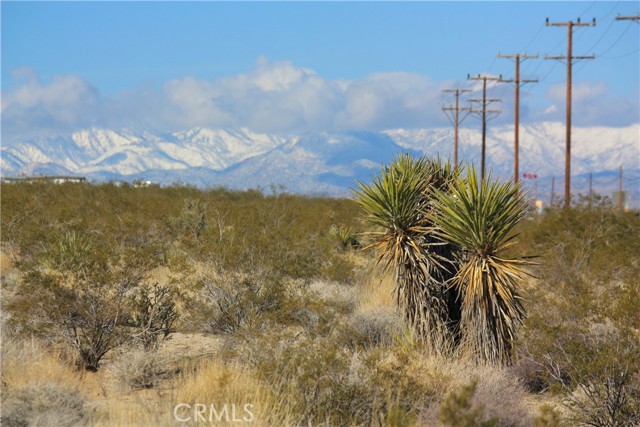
(397, 202)
(345, 235)
(478, 217)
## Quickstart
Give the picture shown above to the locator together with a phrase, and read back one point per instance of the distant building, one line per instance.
(56, 179)
(140, 183)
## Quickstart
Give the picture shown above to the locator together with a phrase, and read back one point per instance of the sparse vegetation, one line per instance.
(178, 295)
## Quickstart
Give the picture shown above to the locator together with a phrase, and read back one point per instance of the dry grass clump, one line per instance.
(328, 381)
(342, 297)
(219, 384)
(138, 369)
(39, 388)
(41, 405)
(30, 362)
(371, 328)
(480, 395)
(376, 288)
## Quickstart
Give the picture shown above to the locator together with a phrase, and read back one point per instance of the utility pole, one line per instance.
(620, 195)
(485, 102)
(456, 109)
(518, 82)
(590, 189)
(569, 58)
(553, 189)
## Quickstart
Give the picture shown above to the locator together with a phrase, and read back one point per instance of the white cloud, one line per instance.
(66, 102)
(591, 103)
(282, 97)
(272, 97)
(582, 91)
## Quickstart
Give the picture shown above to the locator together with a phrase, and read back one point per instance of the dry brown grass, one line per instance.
(6, 263)
(377, 290)
(217, 383)
(39, 387)
(29, 362)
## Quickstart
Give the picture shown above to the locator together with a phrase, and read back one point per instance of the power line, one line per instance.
(618, 39)
(535, 37)
(593, 3)
(611, 10)
(602, 36)
(624, 55)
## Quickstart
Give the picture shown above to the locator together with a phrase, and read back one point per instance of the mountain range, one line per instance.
(322, 162)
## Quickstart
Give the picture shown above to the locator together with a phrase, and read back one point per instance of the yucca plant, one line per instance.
(478, 217)
(346, 236)
(398, 203)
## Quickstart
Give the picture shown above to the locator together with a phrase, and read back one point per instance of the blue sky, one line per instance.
(298, 66)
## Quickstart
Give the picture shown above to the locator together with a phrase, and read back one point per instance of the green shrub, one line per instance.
(457, 410)
(549, 417)
(612, 399)
(153, 313)
(77, 291)
(582, 337)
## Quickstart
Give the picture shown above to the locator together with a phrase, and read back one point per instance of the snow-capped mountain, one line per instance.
(542, 147)
(320, 162)
(106, 152)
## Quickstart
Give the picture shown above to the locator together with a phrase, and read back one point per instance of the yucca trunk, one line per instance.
(477, 218)
(398, 202)
(424, 304)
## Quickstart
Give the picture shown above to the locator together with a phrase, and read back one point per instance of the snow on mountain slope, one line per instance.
(320, 162)
(219, 149)
(542, 147)
(128, 152)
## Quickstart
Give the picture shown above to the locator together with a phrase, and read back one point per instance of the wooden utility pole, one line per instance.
(517, 83)
(620, 194)
(553, 189)
(485, 102)
(569, 58)
(590, 189)
(456, 120)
